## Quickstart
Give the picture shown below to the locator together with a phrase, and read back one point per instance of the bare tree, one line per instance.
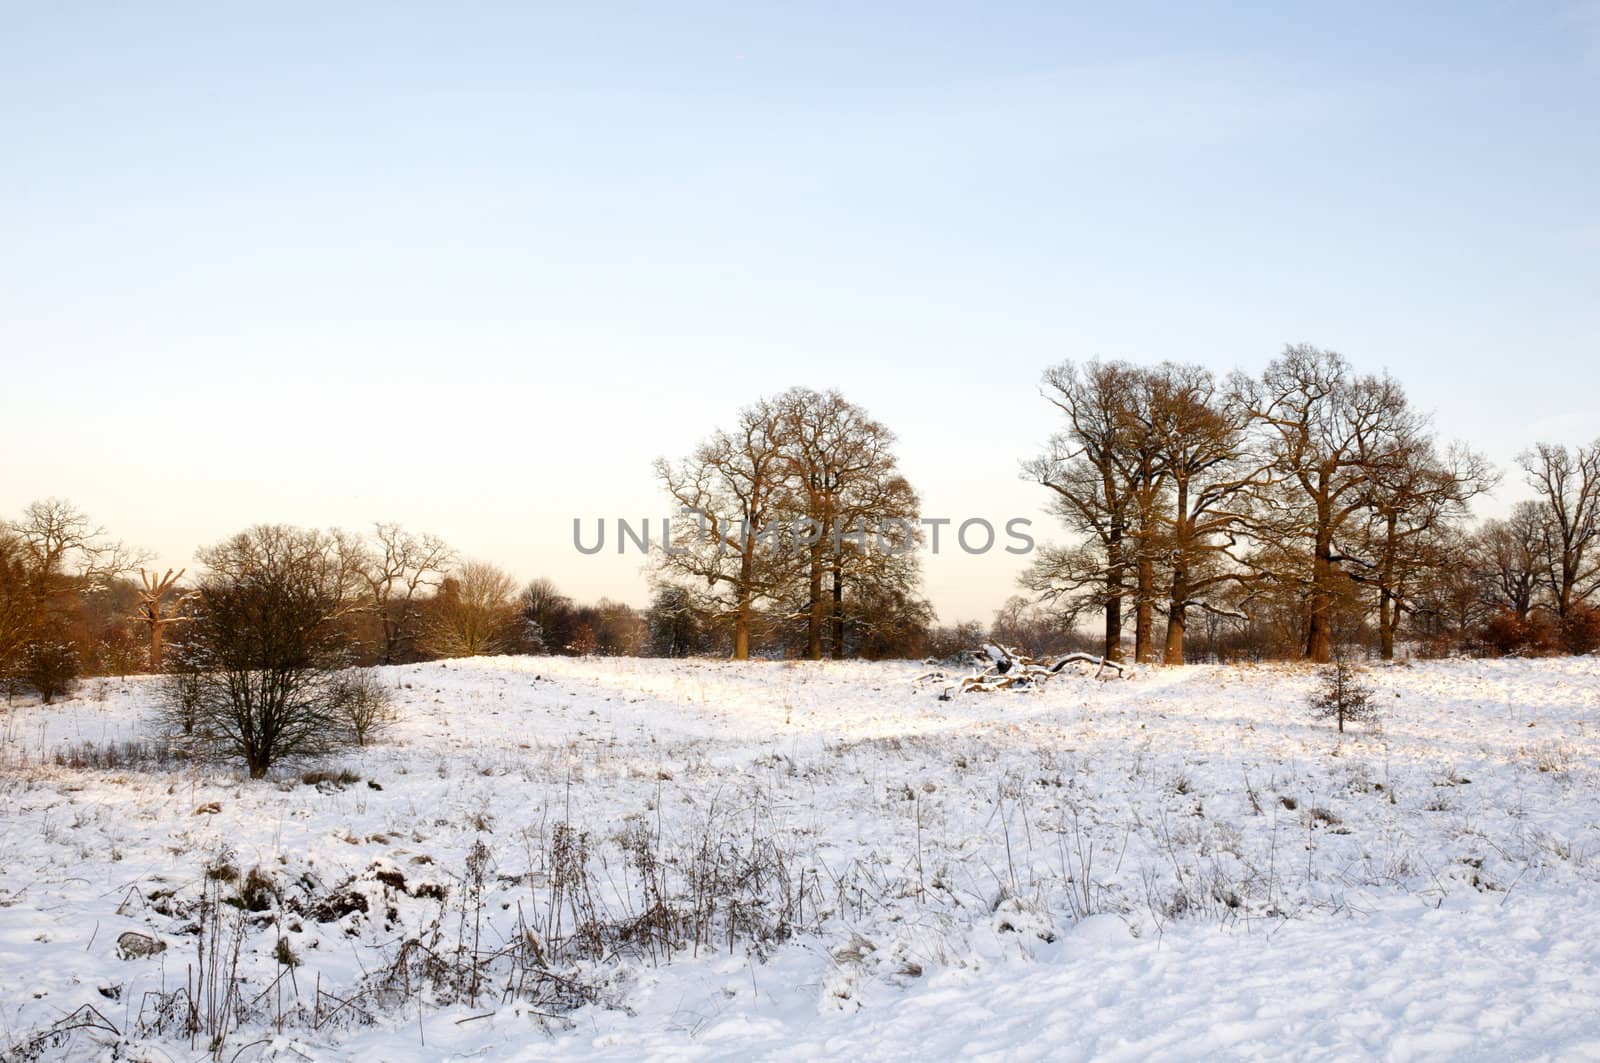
(63, 543)
(152, 610)
(265, 641)
(1330, 434)
(60, 570)
(1069, 579)
(55, 532)
(1147, 475)
(399, 572)
(1508, 557)
(1095, 467)
(798, 515)
(472, 613)
(877, 610)
(547, 617)
(1416, 503)
(1451, 597)
(330, 559)
(845, 478)
(873, 567)
(733, 490)
(18, 607)
(1200, 435)
(1568, 483)
(1023, 624)
(821, 456)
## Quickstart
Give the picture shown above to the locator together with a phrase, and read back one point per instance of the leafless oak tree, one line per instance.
(1415, 505)
(399, 571)
(1200, 433)
(844, 476)
(732, 490)
(1096, 467)
(1568, 486)
(1507, 556)
(1330, 434)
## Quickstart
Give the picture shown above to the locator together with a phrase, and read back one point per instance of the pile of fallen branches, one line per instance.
(1004, 668)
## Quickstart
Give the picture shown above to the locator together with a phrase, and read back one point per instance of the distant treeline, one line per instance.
(1302, 513)
(70, 604)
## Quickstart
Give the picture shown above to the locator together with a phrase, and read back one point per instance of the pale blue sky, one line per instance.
(473, 267)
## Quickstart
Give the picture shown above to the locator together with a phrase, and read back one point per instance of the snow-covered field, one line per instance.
(708, 860)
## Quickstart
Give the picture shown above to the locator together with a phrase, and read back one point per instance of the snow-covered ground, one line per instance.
(1177, 865)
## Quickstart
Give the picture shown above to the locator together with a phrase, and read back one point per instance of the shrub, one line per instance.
(337, 778)
(180, 701)
(1509, 635)
(1580, 630)
(256, 892)
(265, 643)
(51, 668)
(362, 704)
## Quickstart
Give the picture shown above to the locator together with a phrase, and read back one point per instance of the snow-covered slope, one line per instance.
(1179, 864)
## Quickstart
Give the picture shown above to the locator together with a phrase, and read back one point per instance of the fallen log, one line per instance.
(1004, 668)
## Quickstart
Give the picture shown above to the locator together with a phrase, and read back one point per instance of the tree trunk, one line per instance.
(1114, 564)
(837, 649)
(394, 633)
(741, 620)
(1113, 647)
(1319, 636)
(741, 628)
(815, 610)
(1177, 619)
(1143, 616)
(155, 646)
(1388, 620)
(1388, 605)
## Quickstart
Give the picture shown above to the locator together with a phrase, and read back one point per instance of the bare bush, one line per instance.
(178, 702)
(362, 704)
(138, 755)
(725, 883)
